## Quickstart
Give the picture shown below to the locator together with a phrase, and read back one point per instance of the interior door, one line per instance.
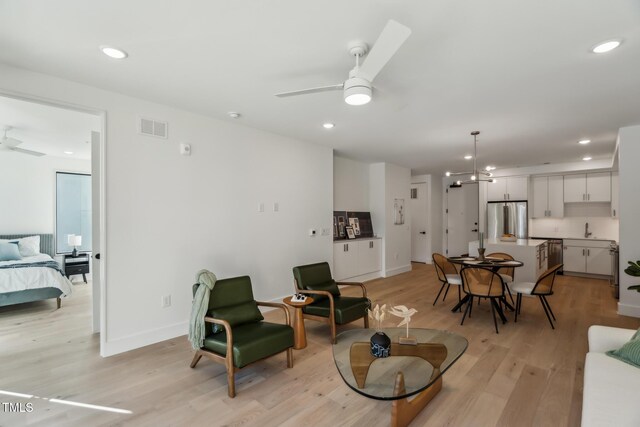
(462, 218)
(419, 222)
(95, 229)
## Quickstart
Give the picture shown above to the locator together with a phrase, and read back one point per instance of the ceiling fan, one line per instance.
(357, 89)
(9, 143)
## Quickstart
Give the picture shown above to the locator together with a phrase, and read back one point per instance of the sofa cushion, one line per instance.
(238, 314)
(252, 341)
(610, 392)
(347, 309)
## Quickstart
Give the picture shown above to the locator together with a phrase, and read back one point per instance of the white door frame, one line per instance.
(427, 203)
(102, 114)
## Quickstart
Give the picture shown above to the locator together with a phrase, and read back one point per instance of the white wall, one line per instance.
(167, 215)
(350, 185)
(629, 153)
(386, 183)
(28, 188)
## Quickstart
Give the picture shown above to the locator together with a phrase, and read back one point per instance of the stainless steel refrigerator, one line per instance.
(507, 218)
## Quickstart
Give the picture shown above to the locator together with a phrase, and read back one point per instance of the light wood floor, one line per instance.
(526, 375)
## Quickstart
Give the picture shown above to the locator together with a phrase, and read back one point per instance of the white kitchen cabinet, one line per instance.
(369, 256)
(508, 188)
(599, 261)
(615, 189)
(587, 256)
(548, 196)
(353, 258)
(573, 258)
(591, 187)
(345, 259)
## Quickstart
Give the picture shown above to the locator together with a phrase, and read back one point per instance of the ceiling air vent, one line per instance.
(153, 128)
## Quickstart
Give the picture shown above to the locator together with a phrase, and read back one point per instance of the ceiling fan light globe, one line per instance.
(357, 91)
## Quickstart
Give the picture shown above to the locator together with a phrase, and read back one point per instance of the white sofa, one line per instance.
(611, 387)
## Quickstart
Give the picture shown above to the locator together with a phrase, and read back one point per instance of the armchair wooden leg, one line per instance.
(59, 302)
(333, 332)
(232, 383)
(290, 357)
(196, 359)
(366, 321)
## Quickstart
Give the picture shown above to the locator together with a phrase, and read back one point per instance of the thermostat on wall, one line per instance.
(185, 149)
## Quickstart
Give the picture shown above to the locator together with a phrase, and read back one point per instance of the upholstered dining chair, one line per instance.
(479, 282)
(507, 273)
(236, 334)
(447, 274)
(329, 306)
(542, 289)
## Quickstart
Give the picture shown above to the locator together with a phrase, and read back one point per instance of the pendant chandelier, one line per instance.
(475, 175)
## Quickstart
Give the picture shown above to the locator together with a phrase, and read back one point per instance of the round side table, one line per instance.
(299, 334)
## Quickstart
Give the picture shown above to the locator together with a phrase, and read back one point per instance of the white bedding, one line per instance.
(20, 279)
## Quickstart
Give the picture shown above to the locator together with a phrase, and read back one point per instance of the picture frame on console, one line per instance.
(350, 233)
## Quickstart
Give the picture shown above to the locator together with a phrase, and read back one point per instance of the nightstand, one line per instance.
(77, 265)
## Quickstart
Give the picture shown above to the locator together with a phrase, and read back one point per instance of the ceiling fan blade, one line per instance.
(392, 37)
(11, 142)
(312, 90)
(23, 151)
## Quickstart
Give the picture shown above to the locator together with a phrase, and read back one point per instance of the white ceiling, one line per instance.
(520, 72)
(48, 129)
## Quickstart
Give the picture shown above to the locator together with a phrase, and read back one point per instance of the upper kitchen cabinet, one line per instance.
(591, 187)
(548, 197)
(615, 201)
(508, 188)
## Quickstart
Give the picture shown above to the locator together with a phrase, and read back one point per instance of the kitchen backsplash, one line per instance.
(573, 227)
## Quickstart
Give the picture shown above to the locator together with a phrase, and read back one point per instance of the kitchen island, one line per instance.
(532, 254)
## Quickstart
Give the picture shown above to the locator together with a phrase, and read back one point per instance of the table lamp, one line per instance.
(75, 241)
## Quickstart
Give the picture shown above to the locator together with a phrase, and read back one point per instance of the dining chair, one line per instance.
(447, 274)
(480, 282)
(507, 273)
(542, 289)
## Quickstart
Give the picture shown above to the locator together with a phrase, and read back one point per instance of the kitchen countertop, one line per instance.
(519, 242)
(575, 238)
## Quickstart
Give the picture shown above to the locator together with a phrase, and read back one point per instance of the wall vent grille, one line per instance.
(152, 127)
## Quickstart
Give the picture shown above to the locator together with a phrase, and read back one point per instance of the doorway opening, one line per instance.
(51, 179)
(462, 218)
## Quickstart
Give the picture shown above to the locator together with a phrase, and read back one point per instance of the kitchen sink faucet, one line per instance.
(587, 233)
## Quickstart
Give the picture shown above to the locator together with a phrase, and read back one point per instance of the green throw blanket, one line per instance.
(206, 279)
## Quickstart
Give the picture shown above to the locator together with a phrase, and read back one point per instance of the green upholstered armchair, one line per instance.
(329, 306)
(235, 322)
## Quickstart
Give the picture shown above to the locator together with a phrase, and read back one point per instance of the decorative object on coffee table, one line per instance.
(380, 342)
(406, 313)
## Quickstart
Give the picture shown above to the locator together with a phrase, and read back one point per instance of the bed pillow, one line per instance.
(9, 252)
(29, 246)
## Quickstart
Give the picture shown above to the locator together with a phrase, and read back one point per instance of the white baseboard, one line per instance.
(132, 342)
(397, 270)
(628, 310)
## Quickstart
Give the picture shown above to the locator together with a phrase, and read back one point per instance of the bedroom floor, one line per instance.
(528, 374)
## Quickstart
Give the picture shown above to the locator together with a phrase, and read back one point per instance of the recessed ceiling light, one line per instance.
(447, 173)
(114, 52)
(68, 152)
(328, 125)
(233, 114)
(584, 141)
(607, 46)
(586, 158)
(468, 157)
(490, 168)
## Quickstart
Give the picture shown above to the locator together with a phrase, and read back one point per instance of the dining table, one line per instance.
(490, 263)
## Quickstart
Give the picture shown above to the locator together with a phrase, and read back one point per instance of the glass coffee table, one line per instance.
(409, 370)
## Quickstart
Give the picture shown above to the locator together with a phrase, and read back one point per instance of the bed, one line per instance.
(34, 278)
